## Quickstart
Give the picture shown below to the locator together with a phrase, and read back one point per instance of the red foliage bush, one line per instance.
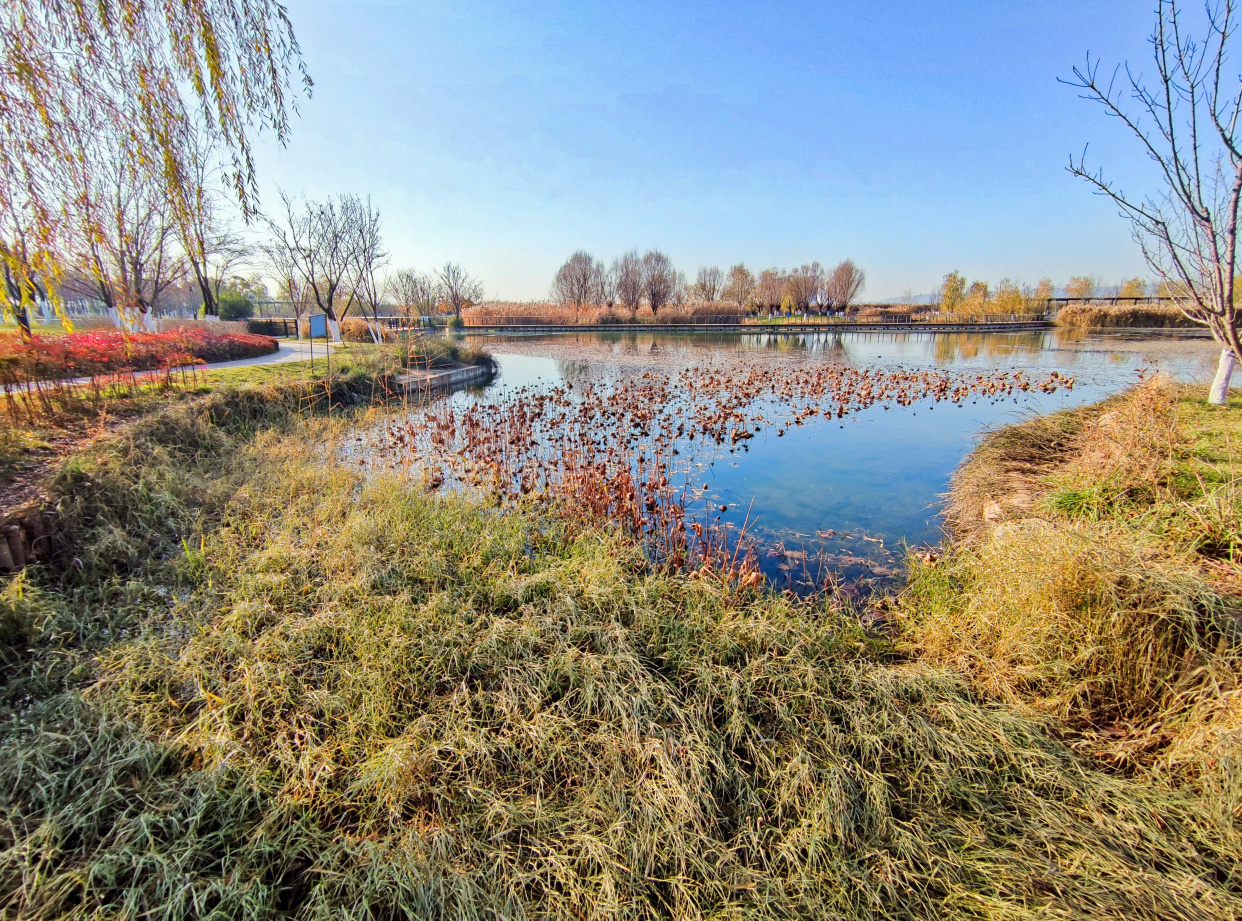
(87, 354)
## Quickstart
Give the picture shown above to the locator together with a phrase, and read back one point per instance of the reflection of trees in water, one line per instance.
(956, 346)
(583, 354)
(576, 370)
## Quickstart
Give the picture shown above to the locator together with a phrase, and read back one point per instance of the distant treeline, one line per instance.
(651, 282)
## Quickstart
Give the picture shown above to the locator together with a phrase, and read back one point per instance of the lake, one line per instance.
(819, 494)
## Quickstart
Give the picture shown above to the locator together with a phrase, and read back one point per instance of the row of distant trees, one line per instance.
(125, 245)
(956, 296)
(651, 279)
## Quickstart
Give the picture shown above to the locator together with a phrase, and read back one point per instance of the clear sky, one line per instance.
(914, 137)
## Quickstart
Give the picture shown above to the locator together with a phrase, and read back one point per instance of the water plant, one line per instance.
(628, 451)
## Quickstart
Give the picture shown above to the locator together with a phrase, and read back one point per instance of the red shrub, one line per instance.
(95, 352)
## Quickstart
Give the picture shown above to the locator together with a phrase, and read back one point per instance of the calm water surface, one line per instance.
(852, 493)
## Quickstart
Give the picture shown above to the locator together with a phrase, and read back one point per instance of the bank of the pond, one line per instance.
(1095, 582)
(41, 429)
(266, 687)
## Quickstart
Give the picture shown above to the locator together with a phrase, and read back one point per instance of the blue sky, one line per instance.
(914, 138)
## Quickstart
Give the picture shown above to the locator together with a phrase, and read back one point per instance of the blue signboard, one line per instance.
(319, 325)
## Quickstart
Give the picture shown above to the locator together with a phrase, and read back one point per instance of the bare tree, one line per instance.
(740, 287)
(316, 237)
(1188, 124)
(606, 287)
(124, 239)
(770, 288)
(844, 285)
(459, 287)
(659, 278)
(709, 284)
(579, 282)
(210, 246)
(681, 290)
(363, 228)
(289, 284)
(413, 292)
(627, 279)
(806, 284)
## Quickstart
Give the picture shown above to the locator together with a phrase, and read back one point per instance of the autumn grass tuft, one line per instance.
(1149, 316)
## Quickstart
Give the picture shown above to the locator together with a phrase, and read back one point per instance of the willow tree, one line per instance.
(1187, 122)
(143, 69)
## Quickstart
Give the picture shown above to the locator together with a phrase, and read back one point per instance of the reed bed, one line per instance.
(1159, 316)
(298, 693)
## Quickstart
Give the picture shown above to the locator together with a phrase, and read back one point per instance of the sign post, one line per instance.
(319, 327)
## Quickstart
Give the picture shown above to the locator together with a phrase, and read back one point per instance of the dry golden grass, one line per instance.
(1160, 316)
(1095, 580)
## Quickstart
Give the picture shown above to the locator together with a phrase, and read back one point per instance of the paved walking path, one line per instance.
(290, 350)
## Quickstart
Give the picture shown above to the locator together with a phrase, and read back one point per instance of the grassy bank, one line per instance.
(1096, 583)
(46, 426)
(265, 686)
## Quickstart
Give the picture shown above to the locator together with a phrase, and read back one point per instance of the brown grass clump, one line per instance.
(1158, 316)
(1095, 581)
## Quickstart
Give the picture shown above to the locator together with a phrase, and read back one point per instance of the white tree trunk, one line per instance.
(334, 326)
(1224, 371)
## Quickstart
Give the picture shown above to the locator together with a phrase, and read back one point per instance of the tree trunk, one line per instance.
(334, 327)
(1224, 371)
(23, 323)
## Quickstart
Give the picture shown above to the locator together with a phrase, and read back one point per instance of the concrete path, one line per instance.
(290, 350)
